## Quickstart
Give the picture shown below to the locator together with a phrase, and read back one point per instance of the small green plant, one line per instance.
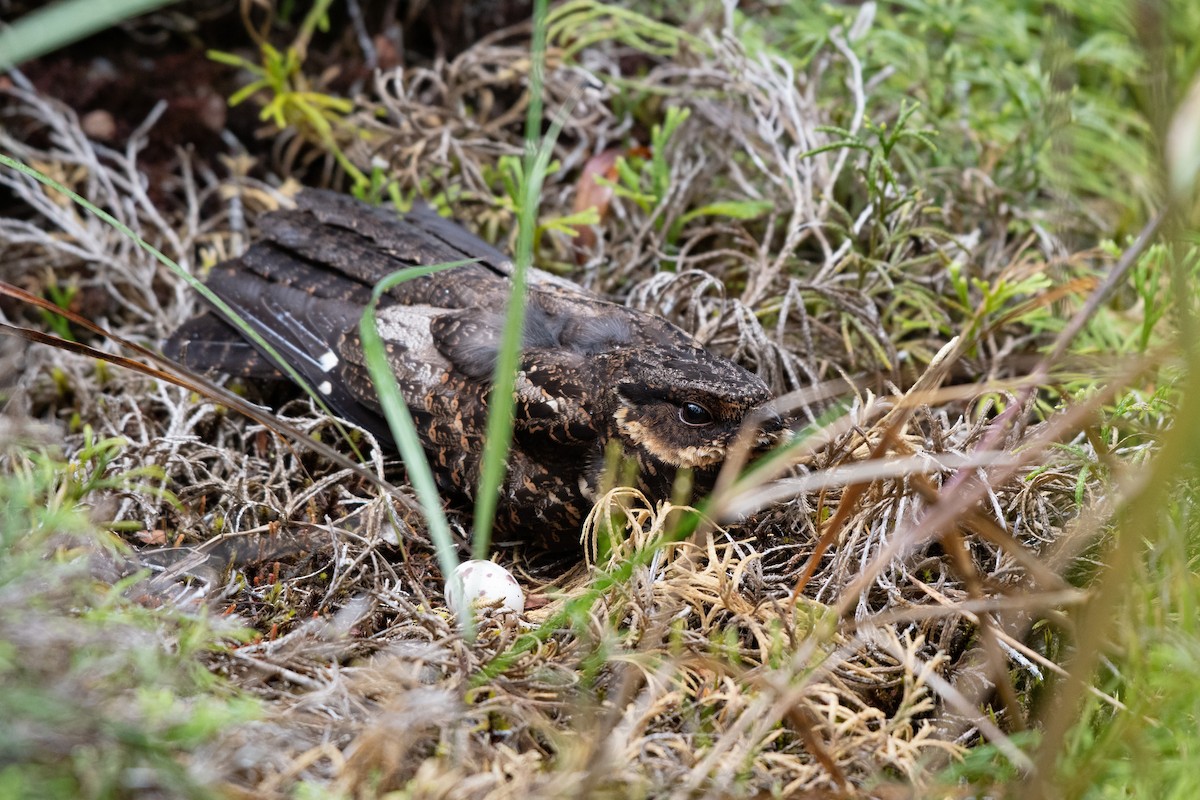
(881, 141)
(378, 186)
(579, 23)
(88, 472)
(509, 173)
(291, 103)
(1133, 322)
(61, 295)
(646, 181)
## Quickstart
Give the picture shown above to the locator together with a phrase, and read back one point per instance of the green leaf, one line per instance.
(58, 24)
(734, 209)
(233, 60)
(498, 438)
(400, 421)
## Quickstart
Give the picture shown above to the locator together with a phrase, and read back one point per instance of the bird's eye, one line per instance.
(694, 414)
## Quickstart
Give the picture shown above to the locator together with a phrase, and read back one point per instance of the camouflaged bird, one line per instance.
(592, 373)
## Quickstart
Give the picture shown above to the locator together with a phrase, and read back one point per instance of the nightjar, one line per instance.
(592, 374)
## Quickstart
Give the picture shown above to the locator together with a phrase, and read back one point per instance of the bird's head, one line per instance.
(681, 409)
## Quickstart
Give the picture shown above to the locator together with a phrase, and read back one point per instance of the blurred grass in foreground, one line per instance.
(101, 693)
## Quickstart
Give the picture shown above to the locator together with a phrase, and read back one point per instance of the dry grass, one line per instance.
(860, 621)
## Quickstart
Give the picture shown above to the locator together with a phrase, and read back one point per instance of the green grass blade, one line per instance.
(39, 32)
(501, 401)
(400, 421)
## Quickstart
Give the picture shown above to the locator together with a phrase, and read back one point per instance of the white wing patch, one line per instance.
(409, 326)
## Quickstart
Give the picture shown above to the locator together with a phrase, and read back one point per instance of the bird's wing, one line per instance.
(371, 243)
(304, 285)
(208, 342)
(549, 393)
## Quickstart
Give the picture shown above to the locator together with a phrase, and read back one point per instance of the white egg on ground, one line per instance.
(484, 583)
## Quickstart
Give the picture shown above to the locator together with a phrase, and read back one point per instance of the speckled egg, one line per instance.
(484, 583)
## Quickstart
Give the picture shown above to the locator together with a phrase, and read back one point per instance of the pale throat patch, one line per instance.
(695, 456)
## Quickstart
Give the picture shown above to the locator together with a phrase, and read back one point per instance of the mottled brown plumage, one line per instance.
(592, 373)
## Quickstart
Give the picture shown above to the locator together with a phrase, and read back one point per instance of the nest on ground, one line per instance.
(820, 631)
